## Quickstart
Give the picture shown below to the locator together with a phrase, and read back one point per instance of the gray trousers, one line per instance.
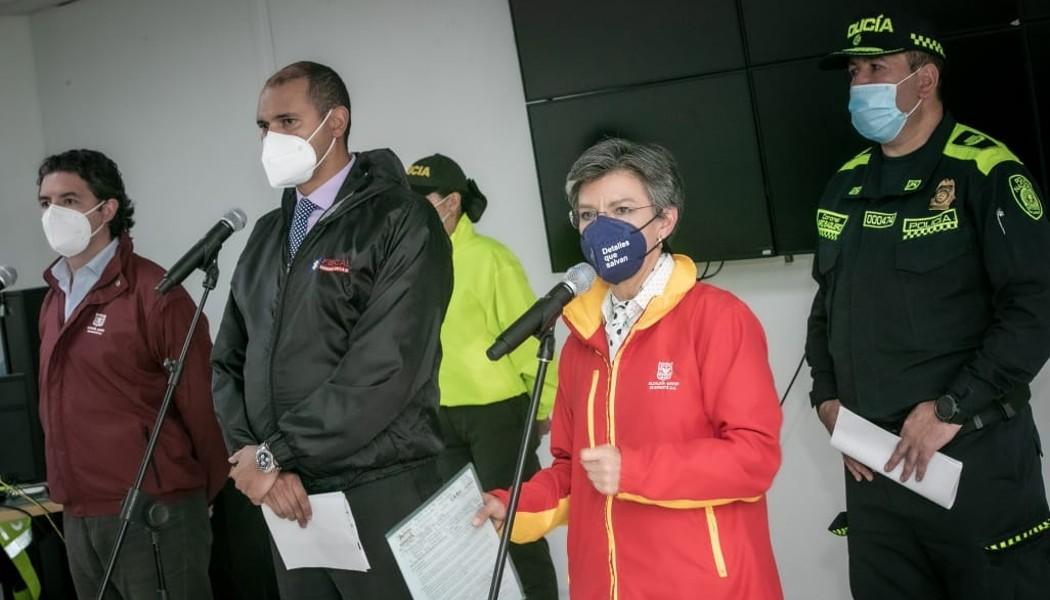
(185, 547)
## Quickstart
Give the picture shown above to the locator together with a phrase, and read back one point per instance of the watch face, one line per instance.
(945, 409)
(264, 460)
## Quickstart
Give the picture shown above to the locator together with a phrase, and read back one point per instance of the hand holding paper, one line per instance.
(873, 447)
(922, 435)
(330, 540)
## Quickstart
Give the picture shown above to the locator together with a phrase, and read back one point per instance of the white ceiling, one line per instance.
(27, 7)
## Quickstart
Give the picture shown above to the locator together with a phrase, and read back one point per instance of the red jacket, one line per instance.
(102, 381)
(690, 404)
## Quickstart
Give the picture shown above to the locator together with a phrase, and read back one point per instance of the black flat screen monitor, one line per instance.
(587, 45)
(22, 458)
(705, 122)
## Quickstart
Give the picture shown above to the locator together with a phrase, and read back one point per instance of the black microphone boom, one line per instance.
(204, 251)
(541, 316)
(8, 276)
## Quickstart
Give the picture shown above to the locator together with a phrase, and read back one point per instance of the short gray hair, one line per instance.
(653, 164)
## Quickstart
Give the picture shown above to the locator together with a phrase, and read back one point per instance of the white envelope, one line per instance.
(330, 540)
(872, 446)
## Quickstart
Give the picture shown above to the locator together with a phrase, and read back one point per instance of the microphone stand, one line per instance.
(138, 506)
(545, 354)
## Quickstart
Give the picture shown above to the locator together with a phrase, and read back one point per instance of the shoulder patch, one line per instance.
(830, 223)
(966, 143)
(857, 161)
(1025, 196)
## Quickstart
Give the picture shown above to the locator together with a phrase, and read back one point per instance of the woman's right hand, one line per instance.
(492, 509)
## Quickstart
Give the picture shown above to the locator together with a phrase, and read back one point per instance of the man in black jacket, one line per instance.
(325, 366)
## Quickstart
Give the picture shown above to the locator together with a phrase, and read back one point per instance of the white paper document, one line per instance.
(872, 445)
(442, 556)
(330, 540)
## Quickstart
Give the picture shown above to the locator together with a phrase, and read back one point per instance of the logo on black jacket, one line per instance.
(944, 196)
(331, 265)
(1025, 196)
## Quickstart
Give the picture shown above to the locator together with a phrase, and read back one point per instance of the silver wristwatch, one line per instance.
(264, 460)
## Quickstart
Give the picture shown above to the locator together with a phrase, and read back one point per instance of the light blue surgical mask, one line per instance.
(873, 110)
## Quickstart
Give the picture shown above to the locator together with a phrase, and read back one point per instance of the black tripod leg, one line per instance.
(162, 586)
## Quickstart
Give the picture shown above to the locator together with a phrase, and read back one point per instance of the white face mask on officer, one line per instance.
(289, 160)
(69, 231)
(446, 215)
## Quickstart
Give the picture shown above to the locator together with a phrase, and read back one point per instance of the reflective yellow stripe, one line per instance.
(716, 544)
(1024, 535)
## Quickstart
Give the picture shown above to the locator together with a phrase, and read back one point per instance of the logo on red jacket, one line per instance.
(332, 265)
(97, 326)
(664, 377)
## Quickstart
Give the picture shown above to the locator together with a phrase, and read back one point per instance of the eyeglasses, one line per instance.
(579, 218)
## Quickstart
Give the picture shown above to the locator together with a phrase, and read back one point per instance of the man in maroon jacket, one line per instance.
(104, 337)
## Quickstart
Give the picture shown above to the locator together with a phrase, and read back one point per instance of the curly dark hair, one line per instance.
(102, 177)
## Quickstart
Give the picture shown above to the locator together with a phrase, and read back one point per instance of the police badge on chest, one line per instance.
(944, 196)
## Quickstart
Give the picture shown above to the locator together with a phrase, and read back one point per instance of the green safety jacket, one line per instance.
(490, 291)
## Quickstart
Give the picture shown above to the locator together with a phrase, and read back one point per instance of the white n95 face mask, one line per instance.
(68, 231)
(289, 160)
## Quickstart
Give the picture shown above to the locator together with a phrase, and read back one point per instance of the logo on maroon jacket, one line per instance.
(97, 326)
(332, 265)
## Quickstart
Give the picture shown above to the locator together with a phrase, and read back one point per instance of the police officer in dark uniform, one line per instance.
(931, 318)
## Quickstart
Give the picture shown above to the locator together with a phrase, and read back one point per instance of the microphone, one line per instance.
(542, 314)
(204, 250)
(8, 276)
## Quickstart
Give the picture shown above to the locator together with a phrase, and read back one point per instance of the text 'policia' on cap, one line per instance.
(438, 172)
(883, 34)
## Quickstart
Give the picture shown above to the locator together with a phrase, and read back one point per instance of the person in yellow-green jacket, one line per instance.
(484, 403)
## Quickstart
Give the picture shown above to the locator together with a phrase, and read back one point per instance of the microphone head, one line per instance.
(8, 276)
(580, 278)
(235, 218)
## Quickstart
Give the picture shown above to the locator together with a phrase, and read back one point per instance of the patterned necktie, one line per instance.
(303, 209)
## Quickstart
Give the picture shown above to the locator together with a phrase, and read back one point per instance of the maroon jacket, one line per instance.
(102, 380)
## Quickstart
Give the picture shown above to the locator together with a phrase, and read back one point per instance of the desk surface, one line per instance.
(8, 514)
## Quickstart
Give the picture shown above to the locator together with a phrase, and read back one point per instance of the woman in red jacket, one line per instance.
(666, 425)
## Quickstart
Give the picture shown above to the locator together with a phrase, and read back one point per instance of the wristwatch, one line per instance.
(947, 410)
(264, 460)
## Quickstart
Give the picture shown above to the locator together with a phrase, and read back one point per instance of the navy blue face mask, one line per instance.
(616, 249)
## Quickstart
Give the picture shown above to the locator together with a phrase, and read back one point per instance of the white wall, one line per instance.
(168, 89)
(22, 243)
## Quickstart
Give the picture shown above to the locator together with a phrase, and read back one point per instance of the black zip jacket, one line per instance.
(933, 277)
(332, 357)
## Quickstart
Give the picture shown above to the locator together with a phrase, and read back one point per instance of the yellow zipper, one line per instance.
(610, 425)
